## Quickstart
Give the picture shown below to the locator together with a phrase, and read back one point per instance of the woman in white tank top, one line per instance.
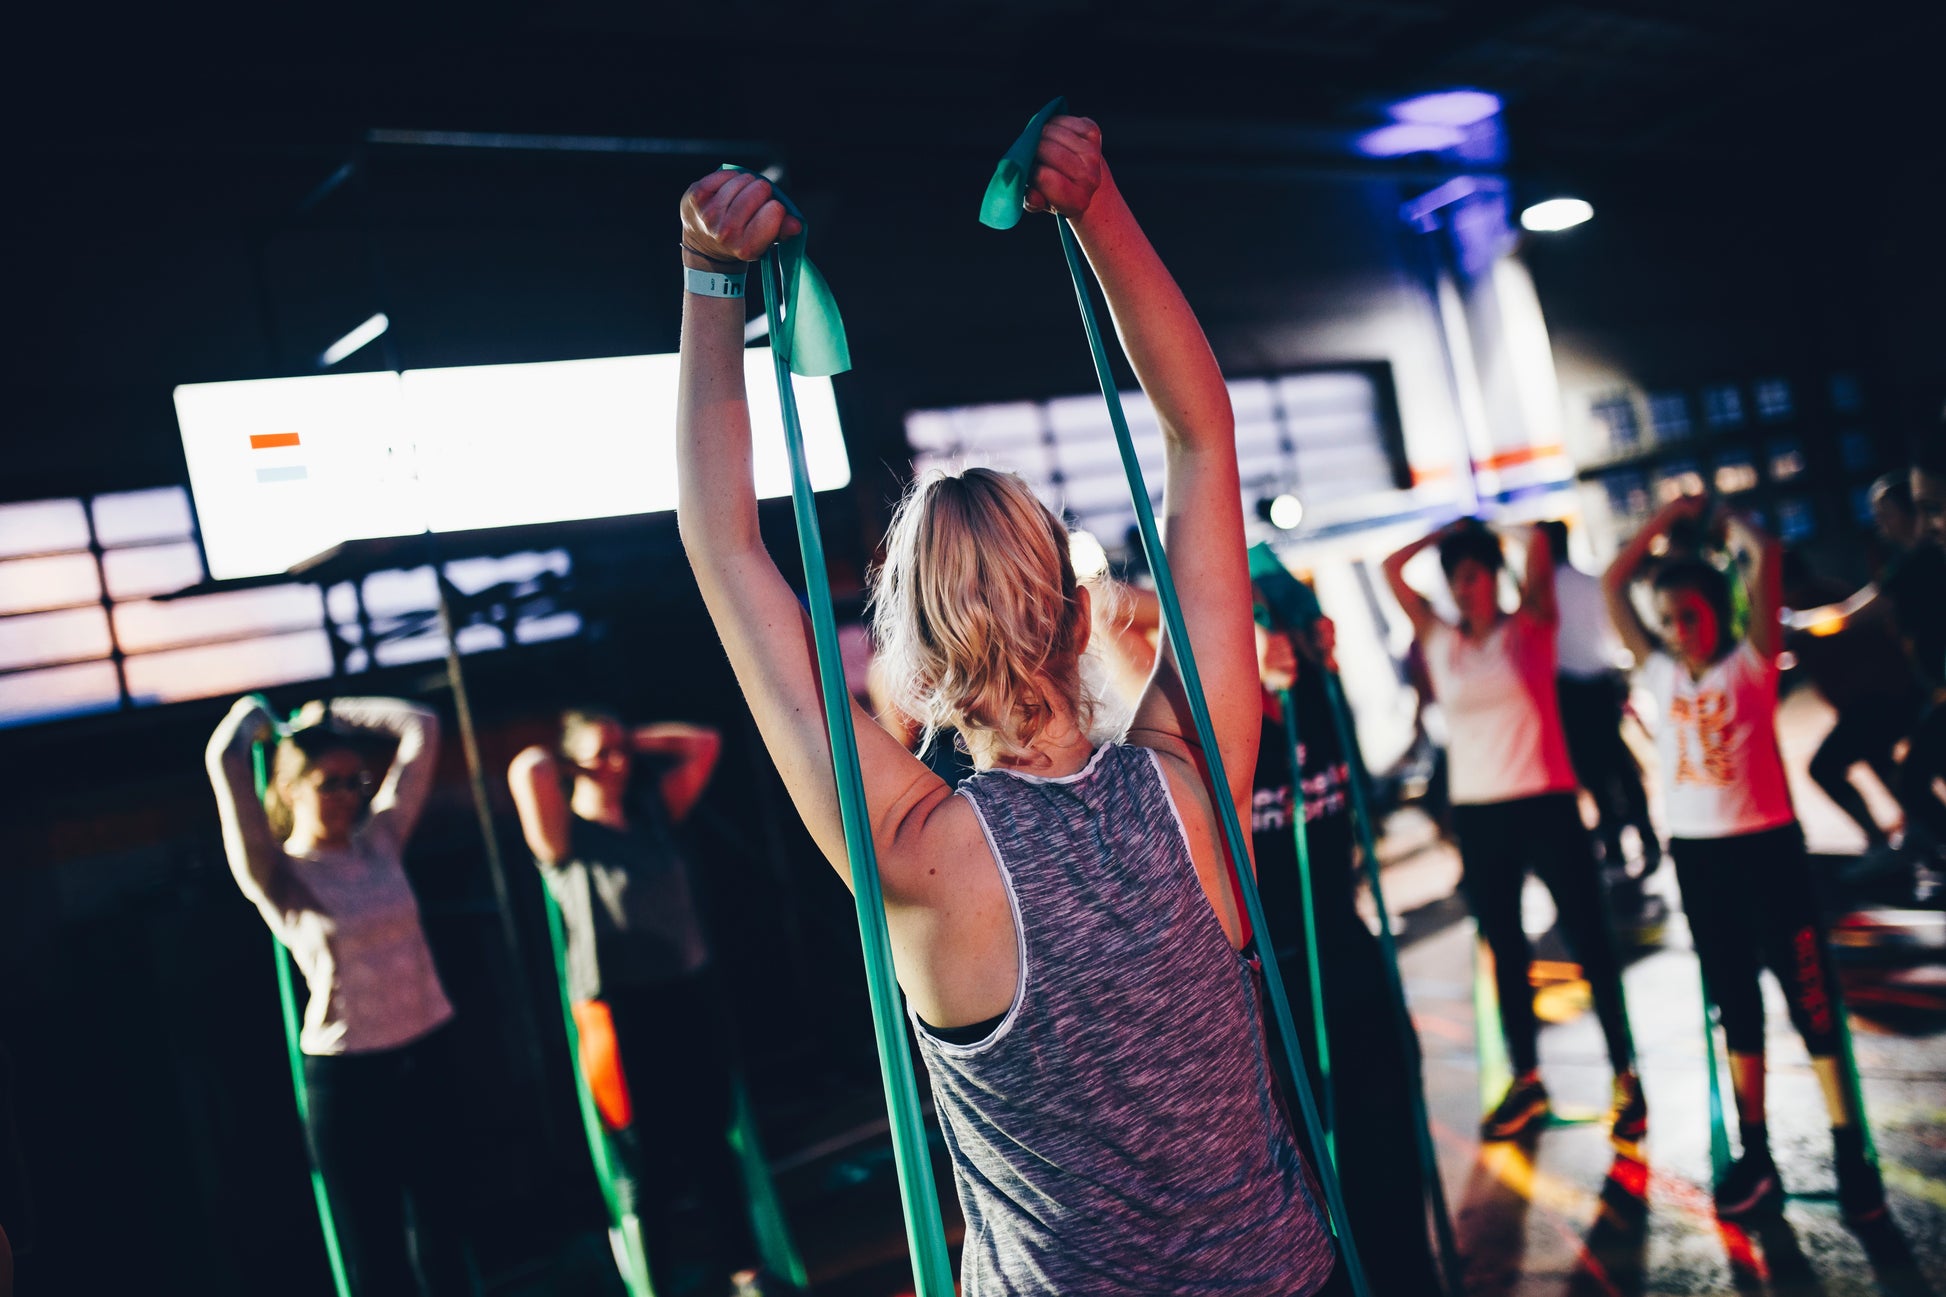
(1514, 802)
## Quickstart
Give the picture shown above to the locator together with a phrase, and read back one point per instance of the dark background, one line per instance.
(1767, 180)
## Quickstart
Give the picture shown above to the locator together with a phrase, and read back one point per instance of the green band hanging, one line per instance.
(618, 1189)
(807, 337)
(1010, 178)
(287, 997)
(1301, 839)
(1291, 603)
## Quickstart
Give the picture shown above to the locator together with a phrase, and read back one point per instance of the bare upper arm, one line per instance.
(534, 778)
(1537, 601)
(1417, 608)
(1628, 625)
(1203, 535)
(402, 795)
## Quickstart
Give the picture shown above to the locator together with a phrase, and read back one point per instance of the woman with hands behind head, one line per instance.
(1746, 881)
(320, 856)
(1514, 800)
(1063, 926)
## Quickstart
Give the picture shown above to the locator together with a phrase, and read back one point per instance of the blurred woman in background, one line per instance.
(1740, 861)
(321, 857)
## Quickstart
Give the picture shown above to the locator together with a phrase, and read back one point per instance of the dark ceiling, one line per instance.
(151, 155)
(1586, 83)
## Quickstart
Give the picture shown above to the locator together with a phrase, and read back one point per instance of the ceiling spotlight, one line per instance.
(1556, 214)
(1085, 552)
(1285, 512)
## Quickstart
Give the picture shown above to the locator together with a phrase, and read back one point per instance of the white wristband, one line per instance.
(711, 283)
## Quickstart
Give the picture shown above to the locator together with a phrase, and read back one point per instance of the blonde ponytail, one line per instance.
(976, 613)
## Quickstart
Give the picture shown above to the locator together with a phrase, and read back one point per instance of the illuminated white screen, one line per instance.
(284, 468)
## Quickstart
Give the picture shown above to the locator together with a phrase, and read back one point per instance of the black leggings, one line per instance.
(1865, 732)
(1925, 761)
(1499, 842)
(381, 1128)
(1752, 904)
(1591, 721)
(677, 1059)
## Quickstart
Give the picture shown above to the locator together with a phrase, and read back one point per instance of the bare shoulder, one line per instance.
(937, 852)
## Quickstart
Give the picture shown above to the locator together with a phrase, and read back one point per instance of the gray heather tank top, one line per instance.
(1116, 1132)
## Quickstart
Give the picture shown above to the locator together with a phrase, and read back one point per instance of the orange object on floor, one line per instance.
(601, 1063)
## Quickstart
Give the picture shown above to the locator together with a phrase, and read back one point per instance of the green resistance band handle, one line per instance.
(919, 1196)
(1451, 1266)
(287, 998)
(618, 1191)
(1206, 735)
(1300, 835)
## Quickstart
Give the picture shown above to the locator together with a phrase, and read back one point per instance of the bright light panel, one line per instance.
(1556, 214)
(285, 468)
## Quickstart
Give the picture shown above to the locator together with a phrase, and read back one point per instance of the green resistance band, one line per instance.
(807, 337)
(1001, 207)
(1300, 836)
(1452, 1268)
(618, 1190)
(775, 1243)
(287, 995)
(1496, 1070)
(1291, 603)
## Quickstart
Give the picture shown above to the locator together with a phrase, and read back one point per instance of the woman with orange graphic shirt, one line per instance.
(1740, 860)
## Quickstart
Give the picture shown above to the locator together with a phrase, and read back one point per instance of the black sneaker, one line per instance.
(1861, 1194)
(1628, 1117)
(1749, 1188)
(1525, 1104)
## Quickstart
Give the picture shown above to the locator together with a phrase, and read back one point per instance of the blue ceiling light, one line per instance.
(1447, 108)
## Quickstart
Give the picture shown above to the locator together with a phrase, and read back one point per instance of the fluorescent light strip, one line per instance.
(351, 342)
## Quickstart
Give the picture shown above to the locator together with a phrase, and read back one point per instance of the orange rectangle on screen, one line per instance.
(265, 440)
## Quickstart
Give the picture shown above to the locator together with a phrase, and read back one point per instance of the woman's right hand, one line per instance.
(1068, 168)
(1276, 660)
(734, 216)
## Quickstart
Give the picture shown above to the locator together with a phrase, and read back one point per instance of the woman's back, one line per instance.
(1117, 1132)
